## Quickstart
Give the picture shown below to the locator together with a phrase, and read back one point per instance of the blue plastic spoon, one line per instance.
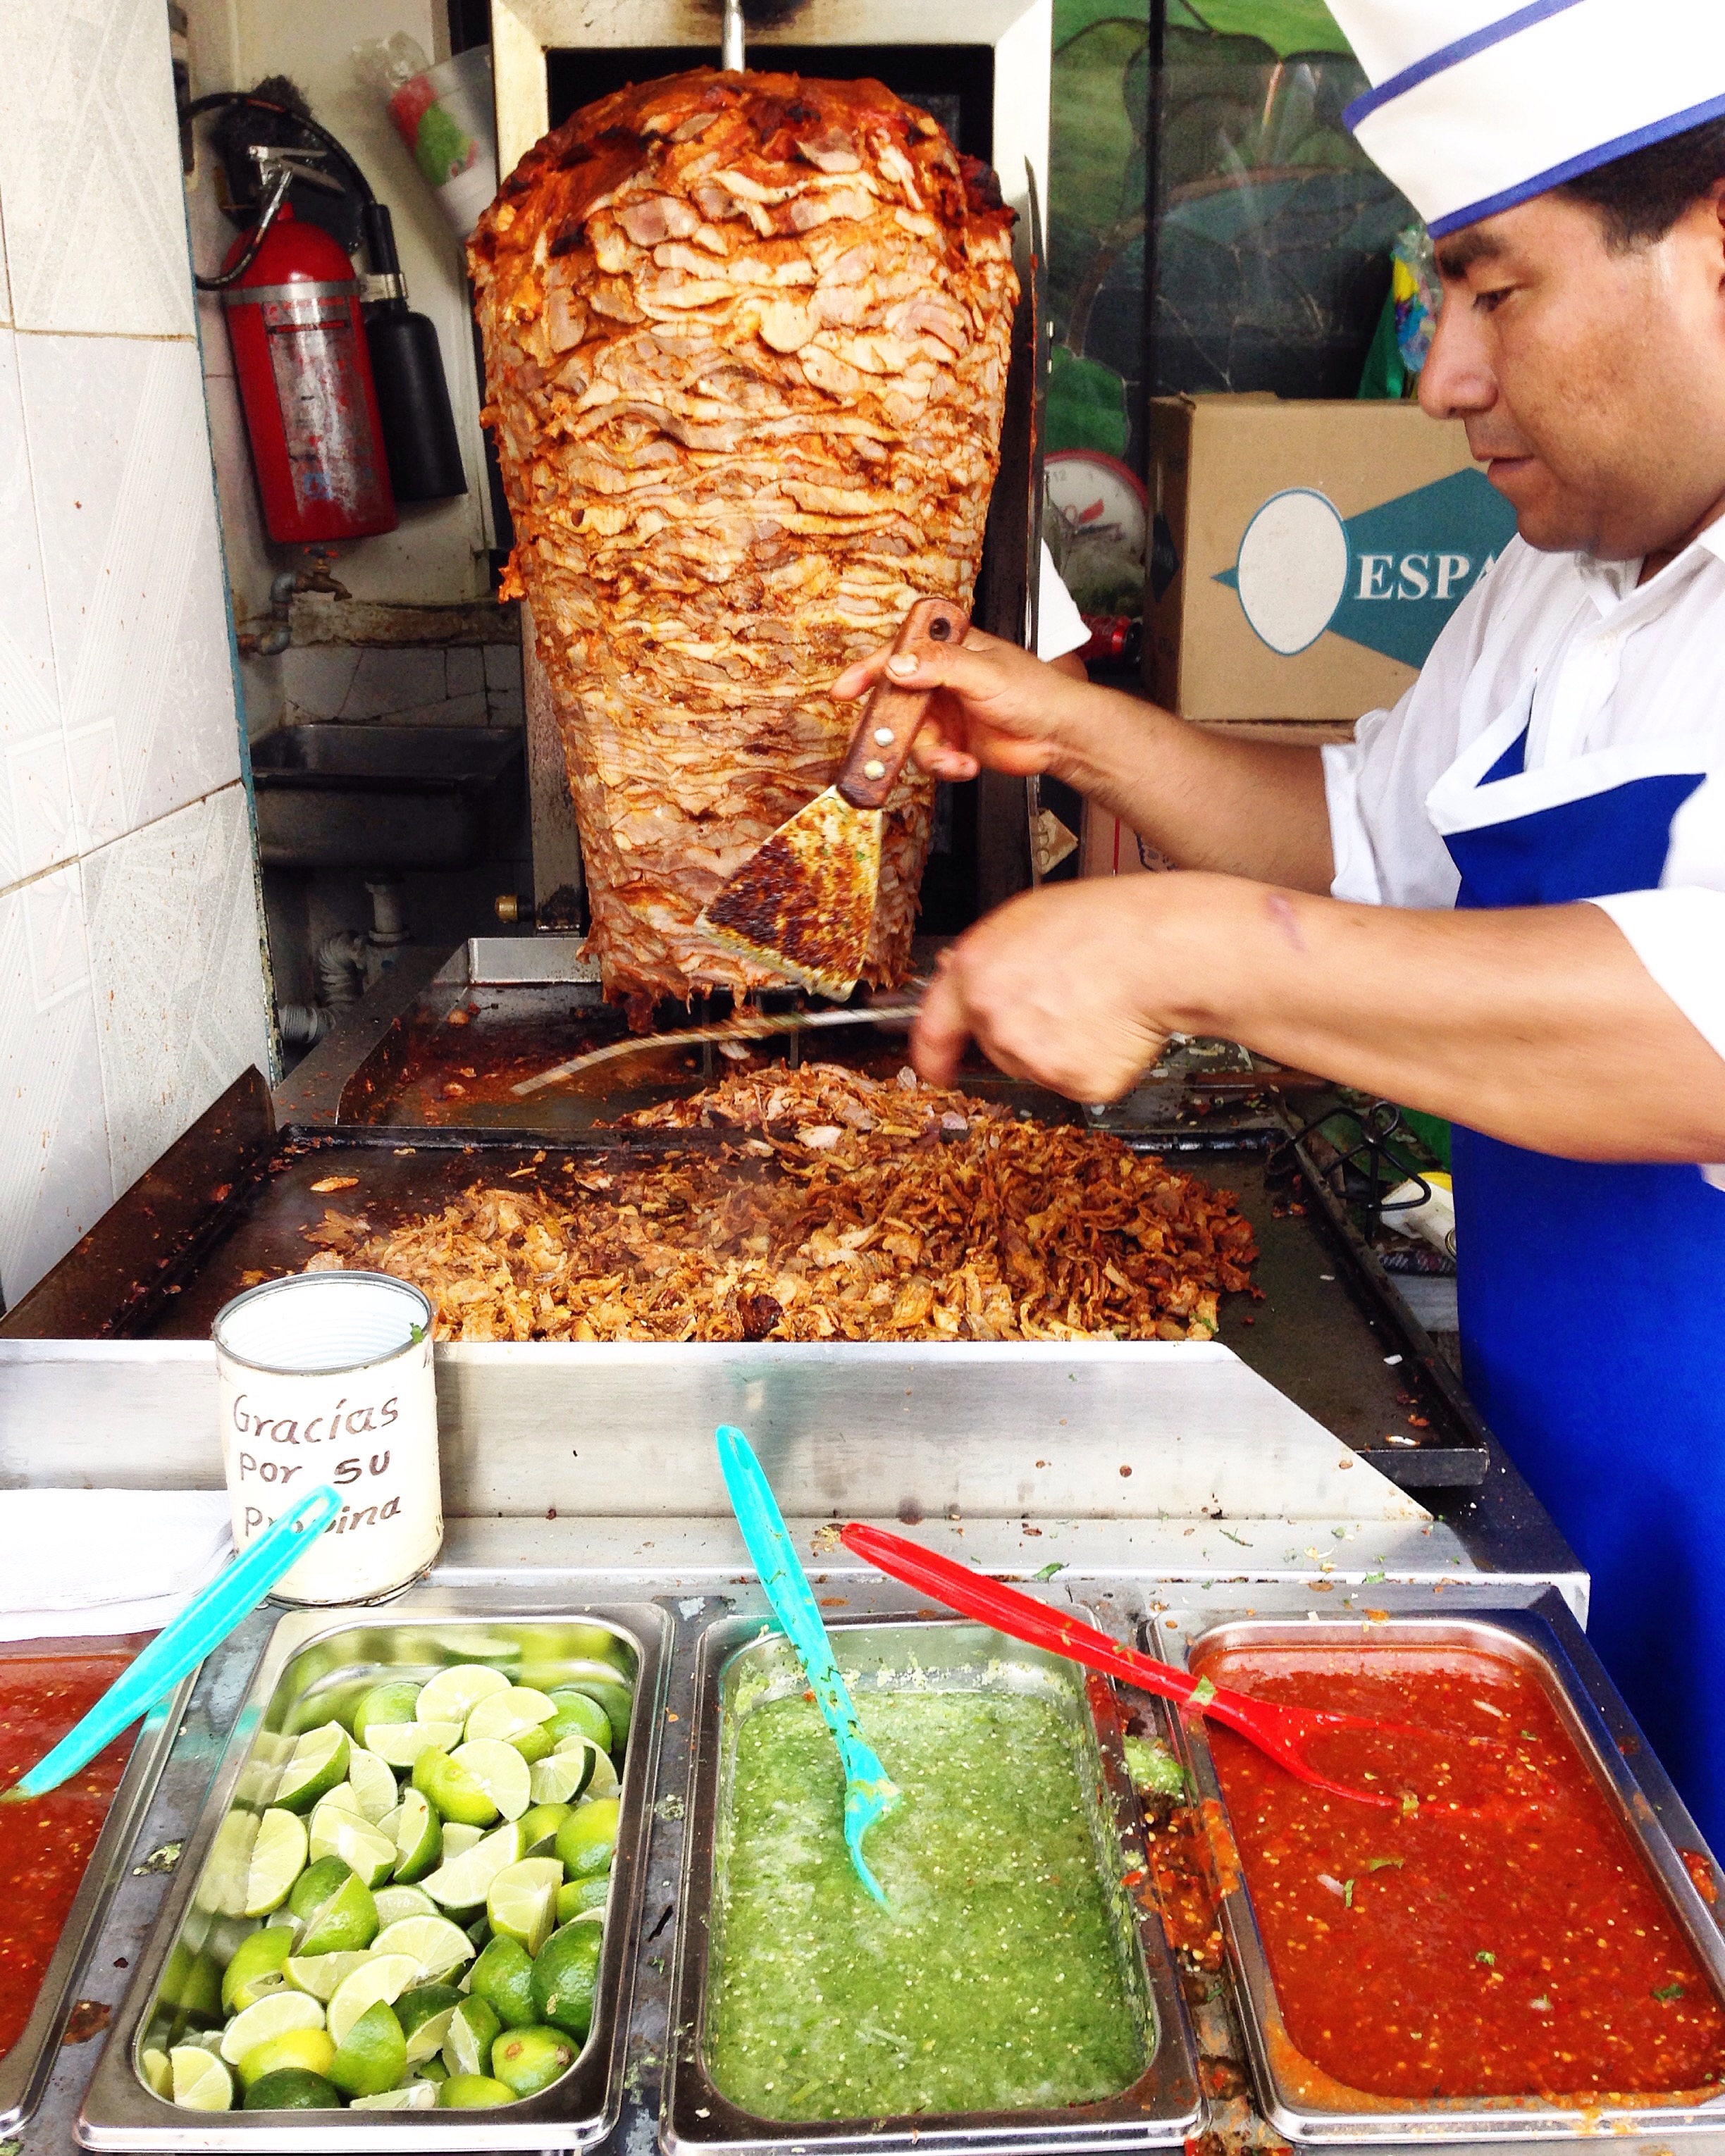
(870, 1793)
(204, 1623)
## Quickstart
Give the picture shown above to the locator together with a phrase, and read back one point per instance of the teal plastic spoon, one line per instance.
(204, 1623)
(870, 1793)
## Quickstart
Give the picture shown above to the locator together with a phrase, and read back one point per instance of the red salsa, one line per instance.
(45, 1842)
(1522, 1950)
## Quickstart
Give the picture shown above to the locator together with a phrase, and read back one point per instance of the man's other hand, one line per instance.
(1056, 986)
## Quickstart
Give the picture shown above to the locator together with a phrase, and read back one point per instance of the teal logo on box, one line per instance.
(1389, 579)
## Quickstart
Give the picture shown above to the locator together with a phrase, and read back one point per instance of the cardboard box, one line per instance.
(1304, 557)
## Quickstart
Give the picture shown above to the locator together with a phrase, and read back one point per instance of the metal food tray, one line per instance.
(234, 1194)
(1161, 2107)
(321, 1651)
(1298, 2098)
(25, 2069)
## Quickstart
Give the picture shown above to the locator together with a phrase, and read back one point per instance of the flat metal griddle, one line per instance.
(234, 1196)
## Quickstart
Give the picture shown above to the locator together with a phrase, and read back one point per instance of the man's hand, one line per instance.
(1249, 809)
(1069, 986)
(994, 705)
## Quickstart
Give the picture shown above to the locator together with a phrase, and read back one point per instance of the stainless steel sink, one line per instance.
(332, 796)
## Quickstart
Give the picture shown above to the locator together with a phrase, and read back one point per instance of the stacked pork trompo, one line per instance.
(746, 339)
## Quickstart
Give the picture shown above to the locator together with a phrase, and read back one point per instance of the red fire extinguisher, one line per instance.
(304, 373)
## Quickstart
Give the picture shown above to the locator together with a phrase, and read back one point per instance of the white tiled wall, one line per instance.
(131, 980)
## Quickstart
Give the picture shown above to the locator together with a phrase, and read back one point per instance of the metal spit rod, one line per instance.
(756, 1026)
(730, 56)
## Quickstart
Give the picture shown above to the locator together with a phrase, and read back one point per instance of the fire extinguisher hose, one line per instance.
(222, 100)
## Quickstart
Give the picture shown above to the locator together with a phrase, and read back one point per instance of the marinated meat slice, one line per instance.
(746, 341)
(822, 1204)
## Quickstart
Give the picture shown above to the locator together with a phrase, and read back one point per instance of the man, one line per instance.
(1505, 902)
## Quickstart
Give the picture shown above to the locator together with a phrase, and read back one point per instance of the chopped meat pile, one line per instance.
(834, 1206)
(746, 341)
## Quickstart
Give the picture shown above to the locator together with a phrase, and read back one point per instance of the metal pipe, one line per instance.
(731, 46)
(301, 1025)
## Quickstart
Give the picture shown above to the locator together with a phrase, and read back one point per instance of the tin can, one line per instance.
(327, 1377)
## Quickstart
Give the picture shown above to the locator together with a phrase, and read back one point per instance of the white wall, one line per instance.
(440, 551)
(131, 980)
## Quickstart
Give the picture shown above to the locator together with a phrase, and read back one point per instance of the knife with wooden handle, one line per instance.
(804, 904)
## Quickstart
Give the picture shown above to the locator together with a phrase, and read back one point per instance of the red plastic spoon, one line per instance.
(1287, 1733)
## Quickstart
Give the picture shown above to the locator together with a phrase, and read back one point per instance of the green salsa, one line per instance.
(994, 1981)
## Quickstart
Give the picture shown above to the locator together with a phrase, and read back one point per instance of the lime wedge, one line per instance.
(374, 2055)
(452, 1695)
(566, 1977)
(474, 2028)
(256, 1967)
(530, 2060)
(503, 1977)
(417, 2096)
(588, 1839)
(418, 1836)
(394, 1902)
(277, 1859)
(510, 1716)
(604, 1782)
(315, 1766)
(296, 2051)
(583, 1898)
(158, 2075)
(399, 1744)
(578, 1716)
(383, 1978)
(336, 1908)
(564, 1776)
(454, 1792)
(522, 1902)
(458, 1840)
(221, 1889)
(433, 1945)
(361, 1847)
(372, 1782)
(320, 1974)
(425, 2013)
(500, 1770)
(270, 2018)
(391, 1702)
(472, 2092)
(539, 1827)
(465, 1882)
(197, 2079)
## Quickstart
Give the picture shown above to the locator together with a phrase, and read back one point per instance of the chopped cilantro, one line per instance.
(1532, 1736)
(1241, 1539)
(1540, 2005)
(1153, 1768)
(1202, 1693)
(1371, 1579)
(1384, 1863)
(1048, 1572)
(1489, 1959)
(1668, 1991)
(1347, 1893)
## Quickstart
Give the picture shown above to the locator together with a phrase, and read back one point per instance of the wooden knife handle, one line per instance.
(894, 715)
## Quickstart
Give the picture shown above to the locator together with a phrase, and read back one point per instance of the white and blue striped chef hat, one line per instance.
(1477, 105)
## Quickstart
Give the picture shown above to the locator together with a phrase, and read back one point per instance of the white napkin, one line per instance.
(78, 1563)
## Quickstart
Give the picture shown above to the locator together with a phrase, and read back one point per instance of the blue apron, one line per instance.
(1593, 1297)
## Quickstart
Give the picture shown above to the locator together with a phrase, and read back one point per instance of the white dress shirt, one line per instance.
(1612, 682)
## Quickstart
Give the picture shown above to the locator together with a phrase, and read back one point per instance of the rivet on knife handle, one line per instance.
(895, 714)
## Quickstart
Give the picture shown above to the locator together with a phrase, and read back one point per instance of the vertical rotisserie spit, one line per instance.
(747, 339)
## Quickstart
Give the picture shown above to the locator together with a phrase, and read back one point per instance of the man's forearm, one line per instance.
(1207, 801)
(1541, 1027)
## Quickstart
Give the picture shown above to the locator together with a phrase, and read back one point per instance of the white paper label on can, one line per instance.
(368, 1430)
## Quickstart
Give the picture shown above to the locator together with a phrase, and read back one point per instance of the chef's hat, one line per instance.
(1478, 104)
